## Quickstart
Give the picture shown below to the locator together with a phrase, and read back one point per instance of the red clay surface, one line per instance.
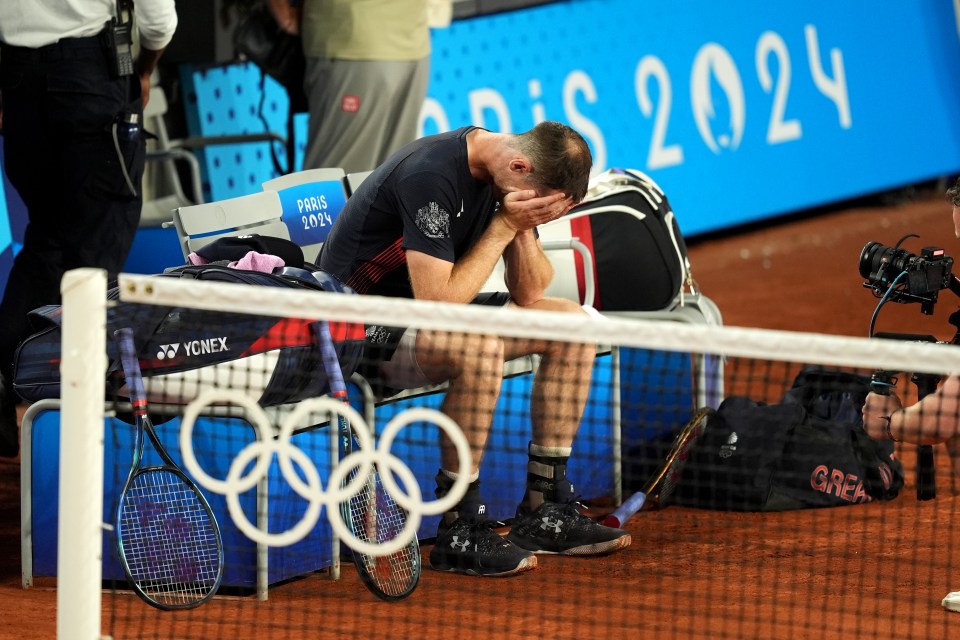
(875, 570)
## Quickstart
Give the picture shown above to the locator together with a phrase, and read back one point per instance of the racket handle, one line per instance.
(626, 510)
(331, 363)
(131, 367)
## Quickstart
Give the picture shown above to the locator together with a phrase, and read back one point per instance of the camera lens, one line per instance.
(872, 258)
(881, 264)
(897, 275)
(866, 259)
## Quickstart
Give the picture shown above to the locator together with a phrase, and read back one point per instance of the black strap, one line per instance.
(290, 148)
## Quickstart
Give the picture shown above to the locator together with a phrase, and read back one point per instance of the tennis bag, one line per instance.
(639, 257)
(184, 351)
(809, 450)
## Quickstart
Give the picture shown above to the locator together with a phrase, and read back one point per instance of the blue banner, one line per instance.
(309, 210)
(741, 110)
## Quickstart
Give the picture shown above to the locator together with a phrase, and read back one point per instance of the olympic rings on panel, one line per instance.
(310, 487)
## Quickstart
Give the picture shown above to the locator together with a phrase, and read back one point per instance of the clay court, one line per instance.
(858, 572)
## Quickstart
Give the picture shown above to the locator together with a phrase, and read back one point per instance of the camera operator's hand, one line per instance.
(877, 410)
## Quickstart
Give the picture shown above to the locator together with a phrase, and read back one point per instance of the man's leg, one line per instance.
(61, 157)
(473, 366)
(559, 396)
(548, 520)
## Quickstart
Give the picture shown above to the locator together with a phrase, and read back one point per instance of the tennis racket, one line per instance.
(371, 515)
(167, 536)
(664, 481)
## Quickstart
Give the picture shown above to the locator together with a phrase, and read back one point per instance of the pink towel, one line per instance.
(253, 261)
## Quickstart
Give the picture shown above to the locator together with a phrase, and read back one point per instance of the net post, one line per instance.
(83, 370)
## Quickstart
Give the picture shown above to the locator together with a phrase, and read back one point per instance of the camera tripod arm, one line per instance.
(954, 285)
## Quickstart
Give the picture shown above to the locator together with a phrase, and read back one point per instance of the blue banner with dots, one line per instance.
(741, 110)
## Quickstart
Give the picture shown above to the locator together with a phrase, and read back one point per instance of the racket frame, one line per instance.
(145, 429)
(672, 466)
(363, 562)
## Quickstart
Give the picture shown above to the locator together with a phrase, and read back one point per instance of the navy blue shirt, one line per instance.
(423, 198)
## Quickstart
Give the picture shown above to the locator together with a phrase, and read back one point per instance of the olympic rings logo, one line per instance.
(365, 459)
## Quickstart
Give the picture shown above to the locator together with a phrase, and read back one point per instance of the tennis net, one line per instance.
(738, 549)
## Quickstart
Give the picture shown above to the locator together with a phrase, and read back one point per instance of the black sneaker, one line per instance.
(9, 430)
(470, 545)
(560, 528)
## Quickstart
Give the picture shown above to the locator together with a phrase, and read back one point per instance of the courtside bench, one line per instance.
(504, 470)
(617, 411)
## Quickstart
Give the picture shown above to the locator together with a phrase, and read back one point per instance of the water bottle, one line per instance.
(128, 128)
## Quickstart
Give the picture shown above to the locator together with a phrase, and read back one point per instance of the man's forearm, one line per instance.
(463, 280)
(145, 64)
(147, 61)
(528, 271)
(472, 271)
(932, 420)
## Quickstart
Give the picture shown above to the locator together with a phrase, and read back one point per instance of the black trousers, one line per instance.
(60, 103)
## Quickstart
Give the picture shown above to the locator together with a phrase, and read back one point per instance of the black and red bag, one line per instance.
(184, 351)
(633, 240)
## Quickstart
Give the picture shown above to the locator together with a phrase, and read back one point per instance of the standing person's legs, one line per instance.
(62, 158)
(361, 111)
(406, 85)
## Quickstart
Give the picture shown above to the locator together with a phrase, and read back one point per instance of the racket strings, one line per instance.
(169, 540)
(376, 518)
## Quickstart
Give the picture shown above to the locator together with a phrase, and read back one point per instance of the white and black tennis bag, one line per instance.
(184, 351)
(626, 227)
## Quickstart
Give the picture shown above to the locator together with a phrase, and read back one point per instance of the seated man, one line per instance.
(431, 223)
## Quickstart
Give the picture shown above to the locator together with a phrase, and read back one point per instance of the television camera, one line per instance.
(895, 275)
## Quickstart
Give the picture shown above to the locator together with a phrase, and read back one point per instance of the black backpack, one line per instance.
(640, 256)
(808, 450)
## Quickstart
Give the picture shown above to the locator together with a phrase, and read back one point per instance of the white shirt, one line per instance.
(36, 23)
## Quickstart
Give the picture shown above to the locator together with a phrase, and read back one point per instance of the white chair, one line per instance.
(199, 225)
(163, 191)
(353, 180)
(303, 177)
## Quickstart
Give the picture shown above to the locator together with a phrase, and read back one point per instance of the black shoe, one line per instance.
(470, 545)
(560, 528)
(9, 429)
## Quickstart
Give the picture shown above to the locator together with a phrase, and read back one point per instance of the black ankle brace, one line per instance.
(546, 480)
